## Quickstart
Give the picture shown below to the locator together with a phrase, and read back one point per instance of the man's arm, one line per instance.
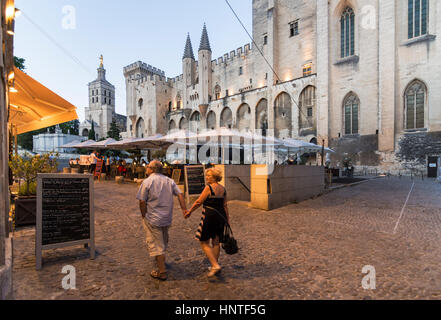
(143, 208)
(182, 203)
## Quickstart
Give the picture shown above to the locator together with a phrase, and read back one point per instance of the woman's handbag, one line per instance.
(229, 244)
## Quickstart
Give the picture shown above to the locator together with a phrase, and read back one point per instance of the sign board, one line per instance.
(176, 175)
(194, 180)
(65, 213)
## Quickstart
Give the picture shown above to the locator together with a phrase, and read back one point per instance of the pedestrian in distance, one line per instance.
(214, 216)
(93, 159)
(155, 197)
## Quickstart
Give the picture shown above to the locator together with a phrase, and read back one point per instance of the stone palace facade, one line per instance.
(360, 75)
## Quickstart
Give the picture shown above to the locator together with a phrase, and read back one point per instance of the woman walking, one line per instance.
(214, 216)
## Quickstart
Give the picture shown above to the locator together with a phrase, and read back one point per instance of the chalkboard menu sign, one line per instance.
(194, 179)
(64, 212)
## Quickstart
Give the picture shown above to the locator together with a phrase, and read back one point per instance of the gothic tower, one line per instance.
(204, 66)
(188, 64)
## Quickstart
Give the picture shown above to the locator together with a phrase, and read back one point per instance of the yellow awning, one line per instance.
(34, 106)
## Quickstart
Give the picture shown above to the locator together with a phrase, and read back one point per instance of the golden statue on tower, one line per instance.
(101, 61)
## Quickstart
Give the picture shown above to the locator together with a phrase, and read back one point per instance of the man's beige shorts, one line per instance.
(156, 238)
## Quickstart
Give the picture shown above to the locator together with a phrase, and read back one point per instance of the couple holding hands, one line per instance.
(156, 204)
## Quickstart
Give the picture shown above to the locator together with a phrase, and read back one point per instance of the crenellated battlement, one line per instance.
(239, 52)
(142, 67)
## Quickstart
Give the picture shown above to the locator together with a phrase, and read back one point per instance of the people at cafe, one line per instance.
(107, 168)
(93, 158)
(155, 197)
(214, 216)
(122, 170)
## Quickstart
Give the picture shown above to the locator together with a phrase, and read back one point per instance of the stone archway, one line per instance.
(262, 117)
(140, 128)
(195, 121)
(85, 133)
(226, 118)
(283, 116)
(171, 125)
(211, 120)
(183, 124)
(244, 117)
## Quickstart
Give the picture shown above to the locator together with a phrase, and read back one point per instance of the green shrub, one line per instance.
(24, 189)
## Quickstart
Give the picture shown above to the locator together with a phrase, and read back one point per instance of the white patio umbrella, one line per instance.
(84, 144)
(102, 144)
(122, 145)
(152, 142)
(70, 144)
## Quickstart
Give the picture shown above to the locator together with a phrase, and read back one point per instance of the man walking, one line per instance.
(156, 204)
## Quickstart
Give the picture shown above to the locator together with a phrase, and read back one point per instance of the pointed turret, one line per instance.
(205, 69)
(188, 52)
(205, 43)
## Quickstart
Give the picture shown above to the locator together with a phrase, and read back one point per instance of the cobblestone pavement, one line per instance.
(312, 250)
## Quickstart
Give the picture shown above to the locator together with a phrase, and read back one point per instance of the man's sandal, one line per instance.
(158, 275)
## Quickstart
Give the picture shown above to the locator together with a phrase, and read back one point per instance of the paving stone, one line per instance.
(312, 250)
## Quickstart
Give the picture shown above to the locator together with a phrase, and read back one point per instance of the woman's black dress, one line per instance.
(213, 218)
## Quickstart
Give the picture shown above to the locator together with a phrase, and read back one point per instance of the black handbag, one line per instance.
(229, 244)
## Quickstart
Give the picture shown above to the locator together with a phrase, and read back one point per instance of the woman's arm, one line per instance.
(200, 200)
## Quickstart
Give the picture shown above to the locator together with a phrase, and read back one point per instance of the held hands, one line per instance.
(186, 213)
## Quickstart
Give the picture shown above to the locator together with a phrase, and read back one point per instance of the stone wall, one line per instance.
(362, 150)
(414, 148)
(235, 190)
(273, 187)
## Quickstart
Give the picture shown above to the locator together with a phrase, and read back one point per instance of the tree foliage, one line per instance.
(114, 132)
(27, 167)
(19, 63)
(92, 134)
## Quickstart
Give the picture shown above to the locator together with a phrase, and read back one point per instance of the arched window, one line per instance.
(347, 29)
(217, 91)
(170, 106)
(283, 116)
(417, 17)
(140, 103)
(178, 101)
(226, 118)
(415, 98)
(307, 104)
(351, 111)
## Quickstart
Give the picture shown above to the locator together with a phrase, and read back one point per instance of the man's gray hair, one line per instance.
(156, 166)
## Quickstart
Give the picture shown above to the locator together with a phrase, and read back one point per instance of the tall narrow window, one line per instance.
(351, 111)
(347, 26)
(415, 98)
(240, 71)
(294, 28)
(417, 18)
(265, 40)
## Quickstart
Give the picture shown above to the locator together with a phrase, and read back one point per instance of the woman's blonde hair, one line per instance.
(216, 173)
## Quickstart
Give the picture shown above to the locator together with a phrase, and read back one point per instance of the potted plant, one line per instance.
(26, 169)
